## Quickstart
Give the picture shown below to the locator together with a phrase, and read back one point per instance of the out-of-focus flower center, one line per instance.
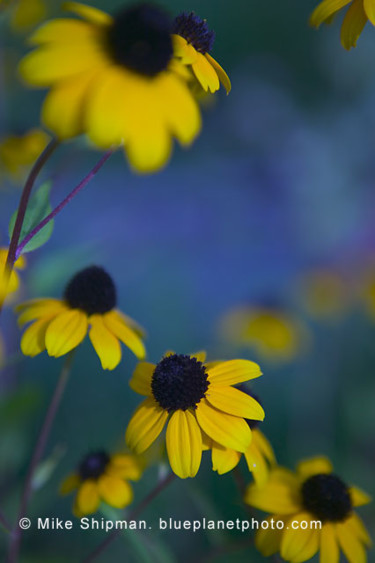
(179, 382)
(140, 39)
(93, 465)
(326, 497)
(195, 31)
(92, 290)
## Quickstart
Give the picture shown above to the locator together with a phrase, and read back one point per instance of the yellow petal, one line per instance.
(89, 13)
(145, 425)
(149, 147)
(200, 356)
(183, 50)
(313, 466)
(87, 499)
(224, 459)
(296, 543)
(65, 332)
(257, 465)
(206, 74)
(233, 401)
(41, 308)
(233, 372)
(119, 328)
(350, 544)
(263, 445)
(69, 484)
(184, 444)
(359, 497)
(267, 540)
(141, 379)
(33, 340)
(65, 105)
(369, 7)
(279, 495)
(353, 24)
(125, 466)
(358, 529)
(106, 345)
(329, 549)
(229, 431)
(115, 491)
(325, 10)
(64, 30)
(27, 13)
(223, 77)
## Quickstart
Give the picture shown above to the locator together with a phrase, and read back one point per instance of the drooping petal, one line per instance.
(118, 327)
(41, 308)
(257, 464)
(65, 332)
(296, 540)
(353, 24)
(313, 466)
(223, 77)
(140, 381)
(267, 540)
(206, 74)
(69, 484)
(233, 401)
(359, 497)
(115, 491)
(224, 459)
(350, 544)
(358, 529)
(33, 340)
(184, 444)
(263, 445)
(88, 499)
(229, 431)
(106, 345)
(233, 372)
(369, 7)
(145, 425)
(279, 495)
(329, 548)
(325, 10)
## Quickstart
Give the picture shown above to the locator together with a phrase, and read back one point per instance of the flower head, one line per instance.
(194, 400)
(313, 493)
(19, 152)
(116, 79)
(8, 287)
(356, 17)
(102, 477)
(192, 42)
(259, 455)
(88, 305)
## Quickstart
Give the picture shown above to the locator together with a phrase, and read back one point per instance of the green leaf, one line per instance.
(38, 208)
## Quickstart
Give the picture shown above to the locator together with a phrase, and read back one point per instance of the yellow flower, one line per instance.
(259, 455)
(24, 14)
(101, 477)
(192, 43)
(115, 79)
(325, 294)
(311, 494)
(18, 154)
(10, 287)
(194, 399)
(274, 334)
(356, 17)
(89, 305)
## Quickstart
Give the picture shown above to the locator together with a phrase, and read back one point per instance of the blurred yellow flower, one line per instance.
(19, 152)
(102, 478)
(311, 494)
(116, 79)
(88, 306)
(274, 334)
(24, 14)
(192, 42)
(325, 294)
(356, 17)
(12, 285)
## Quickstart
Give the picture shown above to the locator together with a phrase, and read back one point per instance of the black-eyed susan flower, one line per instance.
(191, 399)
(101, 477)
(88, 306)
(273, 333)
(19, 152)
(259, 455)
(116, 79)
(24, 14)
(192, 42)
(8, 287)
(312, 494)
(356, 17)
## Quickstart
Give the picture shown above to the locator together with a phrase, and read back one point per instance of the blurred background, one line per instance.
(258, 242)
